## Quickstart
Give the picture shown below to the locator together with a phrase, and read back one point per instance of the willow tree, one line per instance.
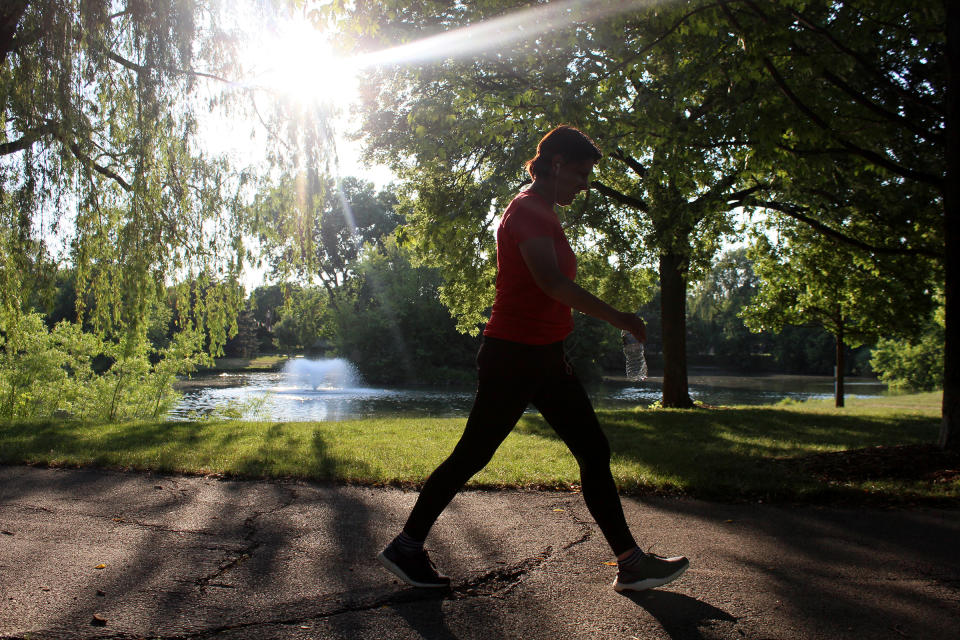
(654, 87)
(103, 152)
(99, 147)
(320, 239)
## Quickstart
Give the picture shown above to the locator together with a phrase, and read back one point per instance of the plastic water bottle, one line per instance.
(633, 353)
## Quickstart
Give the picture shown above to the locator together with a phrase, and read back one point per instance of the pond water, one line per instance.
(330, 390)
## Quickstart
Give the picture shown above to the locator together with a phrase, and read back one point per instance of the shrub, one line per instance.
(49, 373)
(916, 365)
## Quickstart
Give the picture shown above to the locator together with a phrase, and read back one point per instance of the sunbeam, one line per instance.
(396, 335)
(491, 34)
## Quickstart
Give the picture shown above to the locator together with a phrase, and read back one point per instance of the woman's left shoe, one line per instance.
(415, 569)
(650, 571)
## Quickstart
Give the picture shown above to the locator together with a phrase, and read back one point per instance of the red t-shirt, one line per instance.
(522, 312)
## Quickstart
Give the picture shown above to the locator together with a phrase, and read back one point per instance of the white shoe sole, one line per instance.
(397, 571)
(649, 583)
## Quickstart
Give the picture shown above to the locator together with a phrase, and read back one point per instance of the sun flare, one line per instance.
(297, 61)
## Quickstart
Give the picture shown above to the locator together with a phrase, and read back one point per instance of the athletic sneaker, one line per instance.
(650, 571)
(413, 568)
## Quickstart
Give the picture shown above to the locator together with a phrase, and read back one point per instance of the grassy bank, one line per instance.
(806, 451)
(259, 363)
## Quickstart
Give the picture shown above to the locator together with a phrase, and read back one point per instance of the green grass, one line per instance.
(727, 453)
(260, 363)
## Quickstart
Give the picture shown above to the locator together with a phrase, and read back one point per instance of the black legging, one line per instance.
(512, 375)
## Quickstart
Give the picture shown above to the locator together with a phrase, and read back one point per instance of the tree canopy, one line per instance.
(867, 139)
(317, 233)
(808, 281)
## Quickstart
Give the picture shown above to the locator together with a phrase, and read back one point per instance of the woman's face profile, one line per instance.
(572, 178)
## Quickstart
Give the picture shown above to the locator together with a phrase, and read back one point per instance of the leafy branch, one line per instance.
(622, 198)
(801, 214)
(820, 122)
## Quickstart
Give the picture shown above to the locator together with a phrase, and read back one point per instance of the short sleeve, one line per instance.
(528, 221)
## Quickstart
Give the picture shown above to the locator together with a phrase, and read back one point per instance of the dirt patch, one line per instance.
(921, 462)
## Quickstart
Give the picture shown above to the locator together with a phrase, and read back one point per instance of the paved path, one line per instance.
(191, 557)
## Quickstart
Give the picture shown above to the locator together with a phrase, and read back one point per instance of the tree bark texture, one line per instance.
(673, 320)
(949, 438)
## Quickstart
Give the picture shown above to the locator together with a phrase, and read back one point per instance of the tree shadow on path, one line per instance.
(680, 616)
(426, 616)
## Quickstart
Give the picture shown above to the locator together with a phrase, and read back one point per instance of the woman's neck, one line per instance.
(546, 189)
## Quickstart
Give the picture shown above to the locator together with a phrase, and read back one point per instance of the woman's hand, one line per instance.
(632, 323)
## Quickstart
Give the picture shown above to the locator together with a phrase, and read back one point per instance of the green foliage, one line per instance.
(304, 319)
(326, 231)
(313, 228)
(910, 365)
(265, 300)
(443, 232)
(915, 364)
(854, 135)
(245, 343)
(34, 377)
(160, 328)
(98, 146)
(855, 296)
(713, 321)
(854, 146)
(103, 166)
(459, 130)
(396, 330)
(53, 373)
(265, 303)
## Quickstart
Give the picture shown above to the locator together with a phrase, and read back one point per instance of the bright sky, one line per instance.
(296, 60)
(293, 60)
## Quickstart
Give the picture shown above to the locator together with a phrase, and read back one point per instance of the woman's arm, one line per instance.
(541, 259)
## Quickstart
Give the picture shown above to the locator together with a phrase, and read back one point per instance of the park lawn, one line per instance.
(792, 452)
(259, 363)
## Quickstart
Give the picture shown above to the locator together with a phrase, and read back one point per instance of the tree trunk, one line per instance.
(838, 371)
(949, 438)
(673, 320)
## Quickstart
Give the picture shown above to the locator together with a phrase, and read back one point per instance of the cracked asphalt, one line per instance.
(100, 554)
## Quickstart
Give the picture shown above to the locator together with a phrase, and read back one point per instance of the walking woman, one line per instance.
(522, 361)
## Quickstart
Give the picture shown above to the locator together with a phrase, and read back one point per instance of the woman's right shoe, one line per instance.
(415, 569)
(649, 572)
